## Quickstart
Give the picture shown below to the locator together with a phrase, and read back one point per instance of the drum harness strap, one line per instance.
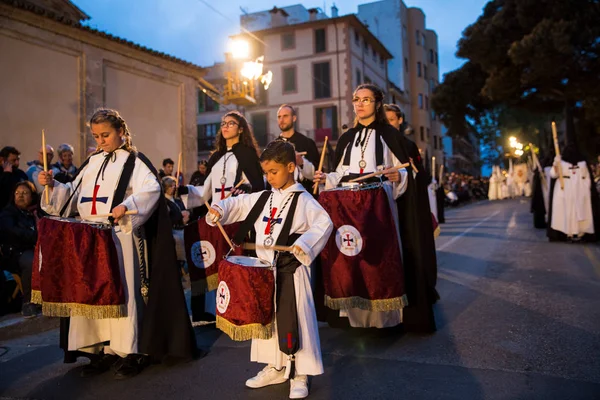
(286, 313)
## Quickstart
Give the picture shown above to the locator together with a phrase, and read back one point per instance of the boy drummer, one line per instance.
(287, 216)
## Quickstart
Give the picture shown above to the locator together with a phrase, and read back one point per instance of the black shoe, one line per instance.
(99, 365)
(30, 310)
(130, 366)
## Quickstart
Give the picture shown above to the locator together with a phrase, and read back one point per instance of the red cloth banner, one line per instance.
(76, 270)
(361, 263)
(205, 247)
(245, 300)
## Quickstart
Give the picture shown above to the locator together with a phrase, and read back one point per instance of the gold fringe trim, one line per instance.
(36, 297)
(437, 232)
(203, 286)
(396, 303)
(212, 282)
(77, 309)
(244, 332)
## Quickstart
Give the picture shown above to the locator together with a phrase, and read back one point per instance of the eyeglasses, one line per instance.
(365, 102)
(24, 193)
(229, 124)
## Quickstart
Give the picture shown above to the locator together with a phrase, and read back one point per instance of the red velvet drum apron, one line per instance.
(205, 248)
(246, 298)
(76, 270)
(361, 262)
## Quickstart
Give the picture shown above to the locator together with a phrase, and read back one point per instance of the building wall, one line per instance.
(384, 19)
(59, 75)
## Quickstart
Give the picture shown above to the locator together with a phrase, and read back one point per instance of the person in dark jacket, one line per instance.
(10, 174)
(18, 236)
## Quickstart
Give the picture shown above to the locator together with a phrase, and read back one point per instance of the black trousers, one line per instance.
(25, 263)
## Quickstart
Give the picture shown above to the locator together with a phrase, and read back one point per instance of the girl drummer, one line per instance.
(234, 160)
(96, 190)
(309, 228)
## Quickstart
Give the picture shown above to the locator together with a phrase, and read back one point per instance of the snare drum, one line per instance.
(76, 270)
(361, 262)
(245, 298)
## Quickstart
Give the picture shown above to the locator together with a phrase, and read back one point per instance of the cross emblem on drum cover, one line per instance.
(222, 296)
(93, 199)
(271, 220)
(348, 240)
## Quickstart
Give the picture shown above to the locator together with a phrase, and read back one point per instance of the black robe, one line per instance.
(416, 231)
(538, 208)
(303, 143)
(166, 333)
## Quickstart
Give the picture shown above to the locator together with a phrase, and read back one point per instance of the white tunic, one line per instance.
(546, 188)
(142, 195)
(213, 187)
(493, 189)
(572, 207)
(431, 191)
(362, 318)
(315, 226)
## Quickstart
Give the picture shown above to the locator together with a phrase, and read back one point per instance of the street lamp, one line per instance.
(243, 73)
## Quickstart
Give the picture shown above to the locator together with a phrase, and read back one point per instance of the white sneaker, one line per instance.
(299, 387)
(268, 376)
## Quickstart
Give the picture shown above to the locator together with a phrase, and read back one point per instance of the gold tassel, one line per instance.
(396, 303)
(437, 232)
(244, 332)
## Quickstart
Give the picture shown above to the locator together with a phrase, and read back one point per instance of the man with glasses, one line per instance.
(10, 174)
(36, 166)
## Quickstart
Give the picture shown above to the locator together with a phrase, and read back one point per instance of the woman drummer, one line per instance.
(370, 146)
(125, 342)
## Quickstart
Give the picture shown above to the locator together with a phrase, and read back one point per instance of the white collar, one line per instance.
(296, 187)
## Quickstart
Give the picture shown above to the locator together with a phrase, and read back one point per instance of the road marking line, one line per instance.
(454, 239)
(590, 255)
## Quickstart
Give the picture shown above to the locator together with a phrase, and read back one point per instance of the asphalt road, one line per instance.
(519, 318)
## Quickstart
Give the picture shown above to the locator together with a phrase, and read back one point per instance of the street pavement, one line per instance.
(519, 318)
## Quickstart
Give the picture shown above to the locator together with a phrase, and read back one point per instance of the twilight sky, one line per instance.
(191, 30)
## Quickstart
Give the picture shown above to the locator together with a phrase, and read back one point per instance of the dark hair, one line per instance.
(35, 198)
(280, 151)
(395, 109)
(292, 109)
(168, 161)
(116, 121)
(203, 162)
(246, 137)
(8, 150)
(378, 95)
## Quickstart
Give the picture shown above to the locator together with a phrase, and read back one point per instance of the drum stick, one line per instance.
(316, 186)
(412, 164)
(433, 168)
(536, 162)
(46, 187)
(178, 171)
(302, 153)
(378, 173)
(221, 228)
(557, 150)
(254, 246)
(236, 186)
(131, 212)
(441, 172)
